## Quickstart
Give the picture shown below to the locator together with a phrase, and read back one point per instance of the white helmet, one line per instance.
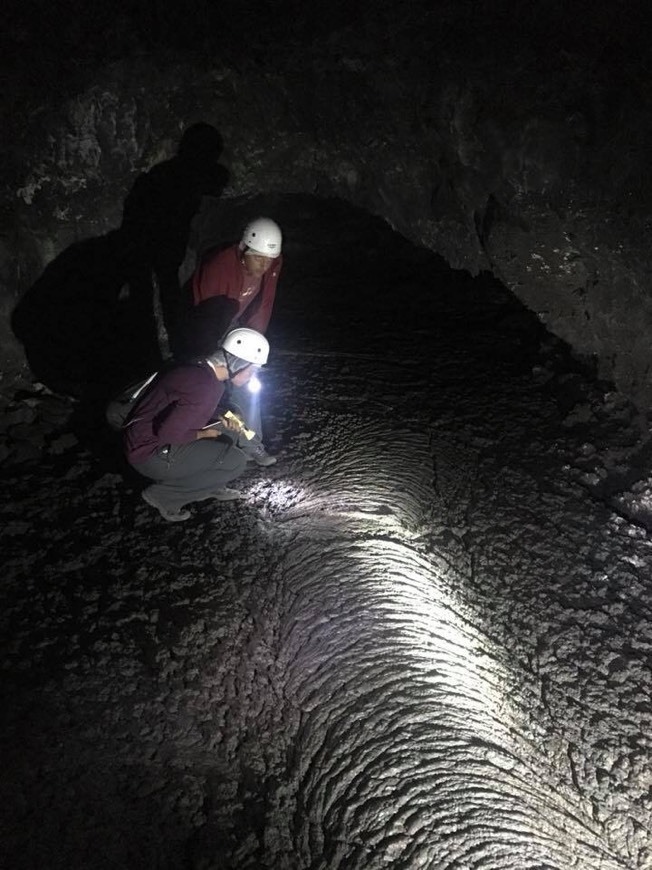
(247, 344)
(263, 236)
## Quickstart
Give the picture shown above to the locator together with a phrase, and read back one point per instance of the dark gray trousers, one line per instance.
(191, 472)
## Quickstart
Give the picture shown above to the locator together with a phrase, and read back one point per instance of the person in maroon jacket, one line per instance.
(237, 287)
(173, 437)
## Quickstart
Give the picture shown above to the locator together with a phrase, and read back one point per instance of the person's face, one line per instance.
(241, 377)
(257, 264)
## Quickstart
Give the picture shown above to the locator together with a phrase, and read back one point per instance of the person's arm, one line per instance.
(208, 433)
(219, 427)
(260, 312)
(207, 323)
(192, 406)
(216, 276)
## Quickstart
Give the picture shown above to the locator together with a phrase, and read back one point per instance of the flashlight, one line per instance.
(253, 384)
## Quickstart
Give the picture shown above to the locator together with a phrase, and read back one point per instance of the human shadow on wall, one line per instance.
(156, 223)
(71, 321)
(88, 324)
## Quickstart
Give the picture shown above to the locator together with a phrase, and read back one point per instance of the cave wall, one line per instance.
(536, 174)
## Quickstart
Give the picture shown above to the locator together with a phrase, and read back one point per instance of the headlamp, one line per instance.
(253, 384)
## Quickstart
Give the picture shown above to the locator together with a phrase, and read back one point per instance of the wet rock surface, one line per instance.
(422, 639)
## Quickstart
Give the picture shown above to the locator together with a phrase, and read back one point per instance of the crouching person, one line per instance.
(175, 436)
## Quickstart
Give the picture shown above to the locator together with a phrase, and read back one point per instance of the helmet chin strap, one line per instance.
(234, 371)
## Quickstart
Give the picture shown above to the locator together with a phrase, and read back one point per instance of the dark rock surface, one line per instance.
(505, 140)
(422, 640)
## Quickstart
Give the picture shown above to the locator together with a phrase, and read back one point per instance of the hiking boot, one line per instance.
(226, 494)
(260, 456)
(171, 516)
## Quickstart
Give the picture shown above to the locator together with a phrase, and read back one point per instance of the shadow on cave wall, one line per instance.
(157, 216)
(89, 324)
(71, 320)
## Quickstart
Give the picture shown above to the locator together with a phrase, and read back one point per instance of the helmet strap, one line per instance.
(229, 357)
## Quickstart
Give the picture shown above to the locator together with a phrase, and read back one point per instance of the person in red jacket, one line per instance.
(246, 274)
(237, 287)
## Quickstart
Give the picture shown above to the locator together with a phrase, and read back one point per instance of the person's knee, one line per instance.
(234, 461)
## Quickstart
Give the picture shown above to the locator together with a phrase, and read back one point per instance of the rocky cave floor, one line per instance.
(435, 608)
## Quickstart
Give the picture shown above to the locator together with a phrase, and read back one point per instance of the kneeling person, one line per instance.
(170, 436)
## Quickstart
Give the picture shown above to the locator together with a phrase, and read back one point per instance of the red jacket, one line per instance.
(223, 275)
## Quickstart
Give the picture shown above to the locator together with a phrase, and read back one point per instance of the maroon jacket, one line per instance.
(223, 275)
(172, 410)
